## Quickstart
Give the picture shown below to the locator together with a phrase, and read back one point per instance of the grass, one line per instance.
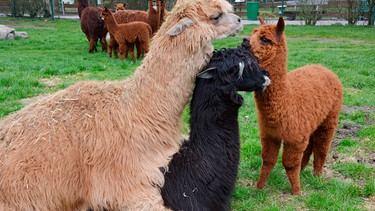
(56, 56)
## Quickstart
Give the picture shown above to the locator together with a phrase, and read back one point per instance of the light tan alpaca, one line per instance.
(102, 144)
(299, 109)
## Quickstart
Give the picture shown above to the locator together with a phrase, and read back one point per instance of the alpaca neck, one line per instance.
(82, 4)
(111, 23)
(166, 77)
(213, 119)
(153, 17)
(276, 97)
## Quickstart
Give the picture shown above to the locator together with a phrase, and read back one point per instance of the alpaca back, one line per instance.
(126, 16)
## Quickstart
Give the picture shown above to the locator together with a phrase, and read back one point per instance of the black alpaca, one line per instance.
(203, 174)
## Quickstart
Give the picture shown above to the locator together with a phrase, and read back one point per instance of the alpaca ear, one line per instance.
(207, 74)
(280, 28)
(180, 26)
(261, 20)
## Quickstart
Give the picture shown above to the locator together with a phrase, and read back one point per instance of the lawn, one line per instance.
(56, 56)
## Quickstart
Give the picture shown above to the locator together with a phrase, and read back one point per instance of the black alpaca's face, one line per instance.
(251, 78)
(236, 70)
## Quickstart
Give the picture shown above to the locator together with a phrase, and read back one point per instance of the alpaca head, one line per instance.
(234, 70)
(120, 6)
(154, 4)
(201, 20)
(268, 43)
(104, 13)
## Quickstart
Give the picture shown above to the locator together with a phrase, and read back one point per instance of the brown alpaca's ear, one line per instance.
(261, 20)
(280, 28)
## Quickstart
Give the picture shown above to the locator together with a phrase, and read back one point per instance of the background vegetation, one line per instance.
(56, 56)
(308, 10)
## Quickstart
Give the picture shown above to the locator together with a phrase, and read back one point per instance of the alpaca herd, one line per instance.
(95, 28)
(128, 34)
(116, 145)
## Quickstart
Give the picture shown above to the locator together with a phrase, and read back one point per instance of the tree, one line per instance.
(311, 10)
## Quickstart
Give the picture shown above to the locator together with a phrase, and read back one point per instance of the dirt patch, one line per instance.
(350, 131)
(51, 81)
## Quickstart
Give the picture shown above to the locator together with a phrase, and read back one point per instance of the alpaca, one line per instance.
(127, 34)
(153, 16)
(203, 173)
(120, 6)
(102, 144)
(300, 108)
(92, 25)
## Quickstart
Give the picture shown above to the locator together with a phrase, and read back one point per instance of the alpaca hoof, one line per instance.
(259, 186)
(296, 193)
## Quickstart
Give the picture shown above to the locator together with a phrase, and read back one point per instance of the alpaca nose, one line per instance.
(239, 20)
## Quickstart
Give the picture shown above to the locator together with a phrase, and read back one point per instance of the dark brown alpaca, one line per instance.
(92, 25)
(299, 109)
(128, 34)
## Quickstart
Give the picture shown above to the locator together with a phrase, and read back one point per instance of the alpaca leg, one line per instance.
(292, 157)
(139, 49)
(103, 41)
(116, 49)
(123, 50)
(270, 150)
(145, 47)
(322, 139)
(131, 50)
(130, 47)
(111, 44)
(306, 154)
(92, 47)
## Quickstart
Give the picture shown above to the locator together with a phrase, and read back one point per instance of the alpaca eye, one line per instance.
(216, 17)
(264, 40)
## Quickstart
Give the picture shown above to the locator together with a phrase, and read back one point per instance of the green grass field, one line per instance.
(56, 56)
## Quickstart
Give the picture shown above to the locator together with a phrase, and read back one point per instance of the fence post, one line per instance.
(282, 8)
(13, 9)
(52, 10)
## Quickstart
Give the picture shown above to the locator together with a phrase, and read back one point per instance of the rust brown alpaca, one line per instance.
(299, 109)
(92, 25)
(128, 34)
(120, 6)
(102, 144)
